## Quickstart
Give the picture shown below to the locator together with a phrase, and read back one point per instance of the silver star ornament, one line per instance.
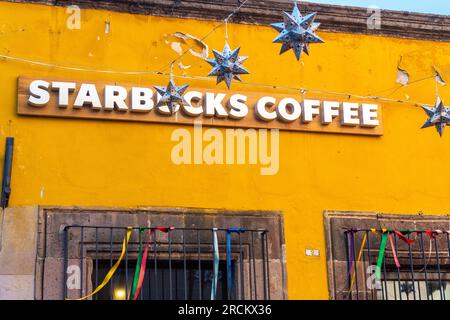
(297, 32)
(227, 65)
(439, 116)
(171, 96)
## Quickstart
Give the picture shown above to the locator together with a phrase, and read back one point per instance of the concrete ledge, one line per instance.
(333, 18)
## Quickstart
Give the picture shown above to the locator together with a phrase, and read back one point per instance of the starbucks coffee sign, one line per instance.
(125, 102)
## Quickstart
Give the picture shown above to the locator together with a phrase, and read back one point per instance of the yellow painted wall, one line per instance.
(94, 163)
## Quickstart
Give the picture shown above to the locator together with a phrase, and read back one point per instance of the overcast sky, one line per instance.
(425, 6)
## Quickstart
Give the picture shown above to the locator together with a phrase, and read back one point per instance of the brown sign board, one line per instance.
(38, 96)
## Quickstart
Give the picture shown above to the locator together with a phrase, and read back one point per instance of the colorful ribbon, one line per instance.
(361, 250)
(164, 229)
(141, 264)
(113, 269)
(403, 236)
(229, 269)
(433, 233)
(384, 237)
(216, 265)
(138, 268)
(430, 234)
(352, 249)
(448, 242)
(388, 234)
(394, 253)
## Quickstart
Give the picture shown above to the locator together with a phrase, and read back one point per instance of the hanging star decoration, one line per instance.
(227, 65)
(439, 116)
(297, 32)
(172, 96)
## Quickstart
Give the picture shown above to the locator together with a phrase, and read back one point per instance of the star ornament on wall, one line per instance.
(227, 65)
(439, 116)
(171, 96)
(297, 32)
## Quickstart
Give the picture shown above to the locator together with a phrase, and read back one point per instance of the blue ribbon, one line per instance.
(229, 270)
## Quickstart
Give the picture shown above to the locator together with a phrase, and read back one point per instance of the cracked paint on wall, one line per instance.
(181, 42)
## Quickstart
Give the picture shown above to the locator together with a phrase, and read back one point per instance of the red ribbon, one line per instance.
(145, 255)
(143, 265)
(404, 238)
(164, 229)
(430, 234)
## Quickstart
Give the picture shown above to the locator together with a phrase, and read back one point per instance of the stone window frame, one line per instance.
(336, 221)
(53, 219)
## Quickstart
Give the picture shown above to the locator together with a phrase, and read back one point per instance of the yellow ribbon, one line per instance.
(112, 270)
(375, 231)
(357, 261)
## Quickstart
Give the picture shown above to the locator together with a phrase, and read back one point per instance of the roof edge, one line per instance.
(333, 18)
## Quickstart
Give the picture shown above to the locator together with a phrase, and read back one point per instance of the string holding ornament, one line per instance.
(171, 95)
(439, 115)
(227, 65)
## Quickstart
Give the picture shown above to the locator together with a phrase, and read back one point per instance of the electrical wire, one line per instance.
(224, 22)
(301, 90)
(164, 72)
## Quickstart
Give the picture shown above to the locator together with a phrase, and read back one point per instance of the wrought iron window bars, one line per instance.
(179, 263)
(415, 265)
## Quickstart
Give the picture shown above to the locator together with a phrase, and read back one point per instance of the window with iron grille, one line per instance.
(78, 248)
(414, 266)
(179, 264)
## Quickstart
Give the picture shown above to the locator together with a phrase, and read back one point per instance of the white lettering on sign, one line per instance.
(311, 108)
(193, 97)
(213, 105)
(289, 110)
(261, 109)
(369, 115)
(115, 98)
(39, 95)
(88, 95)
(350, 114)
(141, 99)
(63, 89)
(239, 109)
(330, 110)
(265, 111)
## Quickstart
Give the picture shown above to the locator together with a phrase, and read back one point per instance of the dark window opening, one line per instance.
(188, 281)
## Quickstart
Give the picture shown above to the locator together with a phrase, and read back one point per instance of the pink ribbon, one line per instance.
(397, 263)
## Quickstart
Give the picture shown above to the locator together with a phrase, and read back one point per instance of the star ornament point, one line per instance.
(227, 65)
(171, 96)
(439, 116)
(297, 32)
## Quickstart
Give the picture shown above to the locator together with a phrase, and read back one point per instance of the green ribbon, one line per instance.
(384, 238)
(137, 272)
